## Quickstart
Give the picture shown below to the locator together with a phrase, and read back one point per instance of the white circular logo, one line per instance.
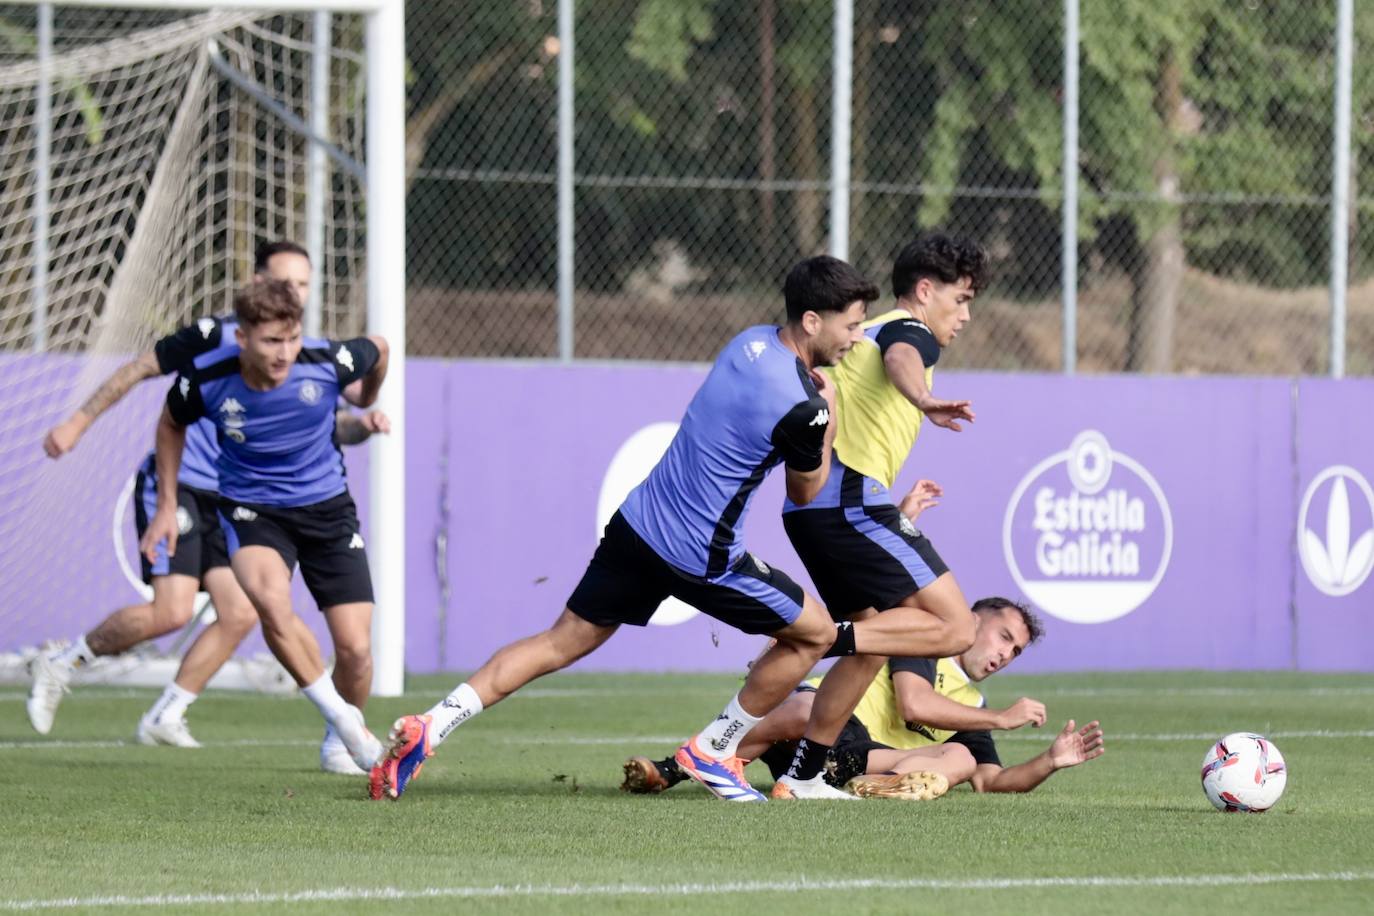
(235, 434)
(1337, 563)
(310, 392)
(631, 464)
(1088, 533)
(183, 520)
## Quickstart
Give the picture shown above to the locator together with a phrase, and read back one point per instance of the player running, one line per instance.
(271, 394)
(921, 727)
(202, 560)
(679, 533)
(862, 553)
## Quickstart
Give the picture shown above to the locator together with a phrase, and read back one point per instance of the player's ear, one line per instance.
(239, 337)
(811, 323)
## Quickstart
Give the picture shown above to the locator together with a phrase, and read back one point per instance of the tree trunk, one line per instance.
(768, 141)
(1158, 277)
(807, 200)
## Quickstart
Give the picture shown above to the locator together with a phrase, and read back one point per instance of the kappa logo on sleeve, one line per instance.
(206, 326)
(345, 358)
(822, 418)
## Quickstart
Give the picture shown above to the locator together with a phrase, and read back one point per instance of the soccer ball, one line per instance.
(1244, 772)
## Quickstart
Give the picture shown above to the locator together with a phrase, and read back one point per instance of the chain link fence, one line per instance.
(702, 162)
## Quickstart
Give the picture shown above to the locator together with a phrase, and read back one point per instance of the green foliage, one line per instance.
(665, 33)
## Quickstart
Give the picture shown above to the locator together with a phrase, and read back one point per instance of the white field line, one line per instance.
(348, 894)
(661, 740)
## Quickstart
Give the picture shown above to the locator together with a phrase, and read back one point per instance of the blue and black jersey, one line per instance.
(757, 408)
(277, 446)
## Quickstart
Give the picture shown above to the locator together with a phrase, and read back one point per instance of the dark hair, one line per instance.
(1032, 622)
(266, 299)
(824, 284)
(267, 249)
(937, 256)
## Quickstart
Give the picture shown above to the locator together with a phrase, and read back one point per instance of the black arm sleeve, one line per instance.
(800, 435)
(922, 667)
(980, 745)
(176, 351)
(184, 402)
(910, 331)
(353, 358)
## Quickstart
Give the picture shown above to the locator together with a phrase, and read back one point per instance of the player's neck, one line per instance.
(913, 307)
(788, 339)
(254, 378)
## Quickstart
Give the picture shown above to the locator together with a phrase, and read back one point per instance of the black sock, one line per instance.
(670, 770)
(844, 641)
(809, 760)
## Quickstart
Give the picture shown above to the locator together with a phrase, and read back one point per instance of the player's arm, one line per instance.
(63, 437)
(352, 429)
(1071, 747)
(908, 348)
(184, 406)
(363, 383)
(805, 438)
(913, 682)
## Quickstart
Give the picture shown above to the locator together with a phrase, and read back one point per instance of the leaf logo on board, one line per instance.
(1336, 562)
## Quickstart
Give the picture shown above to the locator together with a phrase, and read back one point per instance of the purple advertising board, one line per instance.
(1153, 522)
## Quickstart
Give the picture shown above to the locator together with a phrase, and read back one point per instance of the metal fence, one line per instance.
(706, 158)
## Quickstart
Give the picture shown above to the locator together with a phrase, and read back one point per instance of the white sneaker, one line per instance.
(808, 790)
(50, 681)
(335, 758)
(171, 734)
(362, 745)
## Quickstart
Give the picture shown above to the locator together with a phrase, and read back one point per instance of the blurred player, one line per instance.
(283, 497)
(202, 561)
(679, 533)
(862, 553)
(919, 718)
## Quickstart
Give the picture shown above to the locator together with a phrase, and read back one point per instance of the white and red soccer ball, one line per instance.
(1244, 772)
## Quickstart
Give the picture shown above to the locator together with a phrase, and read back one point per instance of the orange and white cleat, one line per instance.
(724, 778)
(403, 759)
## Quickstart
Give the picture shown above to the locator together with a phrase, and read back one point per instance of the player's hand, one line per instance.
(1024, 711)
(825, 388)
(947, 413)
(162, 527)
(63, 437)
(374, 421)
(922, 496)
(1075, 745)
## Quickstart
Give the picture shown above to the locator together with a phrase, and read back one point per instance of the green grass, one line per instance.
(521, 797)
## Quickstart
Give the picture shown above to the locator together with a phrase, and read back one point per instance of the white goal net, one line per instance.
(145, 154)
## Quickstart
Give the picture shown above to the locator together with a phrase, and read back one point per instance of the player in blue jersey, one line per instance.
(283, 497)
(202, 561)
(679, 533)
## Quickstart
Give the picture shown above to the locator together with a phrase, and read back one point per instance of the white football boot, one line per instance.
(170, 734)
(50, 680)
(335, 758)
(816, 789)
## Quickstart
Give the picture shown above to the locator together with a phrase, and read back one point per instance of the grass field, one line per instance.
(520, 813)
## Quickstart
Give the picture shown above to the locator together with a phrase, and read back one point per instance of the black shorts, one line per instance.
(862, 557)
(627, 580)
(325, 537)
(200, 541)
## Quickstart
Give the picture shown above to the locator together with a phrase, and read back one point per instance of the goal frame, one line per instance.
(384, 189)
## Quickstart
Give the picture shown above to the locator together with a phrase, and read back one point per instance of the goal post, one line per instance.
(85, 285)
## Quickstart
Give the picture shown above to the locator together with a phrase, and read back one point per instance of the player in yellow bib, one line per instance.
(866, 558)
(921, 726)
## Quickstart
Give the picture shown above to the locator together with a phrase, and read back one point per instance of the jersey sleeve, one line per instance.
(353, 358)
(921, 667)
(799, 436)
(177, 350)
(184, 401)
(910, 331)
(980, 745)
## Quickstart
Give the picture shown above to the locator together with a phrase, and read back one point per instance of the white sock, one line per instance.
(721, 738)
(171, 706)
(326, 699)
(454, 710)
(76, 655)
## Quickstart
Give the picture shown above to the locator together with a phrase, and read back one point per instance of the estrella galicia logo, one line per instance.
(1338, 561)
(1088, 532)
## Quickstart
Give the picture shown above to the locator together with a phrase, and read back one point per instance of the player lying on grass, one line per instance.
(283, 497)
(202, 562)
(921, 727)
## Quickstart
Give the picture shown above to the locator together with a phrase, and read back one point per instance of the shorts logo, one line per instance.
(206, 326)
(754, 349)
(184, 386)
(1088, 532)
(761, 566)
(243, 515)
(1340, 561)
(355, 542)
(345, 358)
(184, 523)
(310, 392)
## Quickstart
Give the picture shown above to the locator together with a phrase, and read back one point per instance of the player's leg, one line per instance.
(935, 622)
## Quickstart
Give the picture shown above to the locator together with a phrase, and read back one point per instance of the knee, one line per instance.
(960, 763)
(172, 611)
(812, 641)
(237, 617)
(354, 656)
